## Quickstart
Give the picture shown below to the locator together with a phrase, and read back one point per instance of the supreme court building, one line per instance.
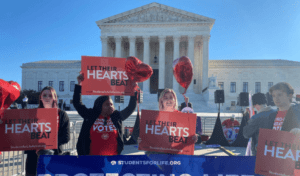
(158, 34)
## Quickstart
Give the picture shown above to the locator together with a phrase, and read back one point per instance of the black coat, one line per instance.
(63, 137)
(90, 116)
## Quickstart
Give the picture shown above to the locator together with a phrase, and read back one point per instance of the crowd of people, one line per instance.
(101, 132)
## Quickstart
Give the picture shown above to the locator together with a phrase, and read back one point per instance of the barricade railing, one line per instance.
(75, 127)
(70, 146)
(12, 163)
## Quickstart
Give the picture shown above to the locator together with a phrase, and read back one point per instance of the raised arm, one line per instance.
(125, 113)
(77, 101)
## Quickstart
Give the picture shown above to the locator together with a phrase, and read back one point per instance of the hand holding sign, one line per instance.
(167, 132)
(183, 71)
(104, 76)
(28, 129)
(296, 132)
(80, 78)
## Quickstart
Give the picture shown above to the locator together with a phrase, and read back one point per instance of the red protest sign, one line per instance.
(28, 129)
(277, 152)
(167, 132)
(105, 76)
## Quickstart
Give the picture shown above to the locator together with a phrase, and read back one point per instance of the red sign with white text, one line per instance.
(167, 132)
(28, 129)
(277, 152)
(105, 76)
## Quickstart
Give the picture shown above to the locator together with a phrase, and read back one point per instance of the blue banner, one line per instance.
(143, 165)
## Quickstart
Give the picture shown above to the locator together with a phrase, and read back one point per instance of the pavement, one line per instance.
(200, 150)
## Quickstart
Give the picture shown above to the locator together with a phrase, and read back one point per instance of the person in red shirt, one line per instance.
(287, 119)
(101, 132)
(230, 122)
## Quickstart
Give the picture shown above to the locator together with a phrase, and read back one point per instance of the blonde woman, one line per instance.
(167, 102)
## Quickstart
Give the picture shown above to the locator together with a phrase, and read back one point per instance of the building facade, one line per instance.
(234, 76)
(157, 35)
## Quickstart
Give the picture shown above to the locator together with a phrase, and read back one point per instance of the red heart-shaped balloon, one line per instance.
(183, 71)
(9, 92)
(4, 92)
(15, 90)
(136, 70)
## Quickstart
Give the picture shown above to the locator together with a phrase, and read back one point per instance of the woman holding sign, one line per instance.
(168, 102)
(101, 132)
(48, 99)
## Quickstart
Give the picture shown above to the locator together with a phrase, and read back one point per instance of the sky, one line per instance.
(38, 30)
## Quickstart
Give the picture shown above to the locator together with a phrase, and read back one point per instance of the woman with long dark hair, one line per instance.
(48, 99)
(101, 132)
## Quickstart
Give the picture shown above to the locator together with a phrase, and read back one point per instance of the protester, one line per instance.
(198, 123)
(167, 102)
(231, 122)
(251, 130)
(48, 99)
(25, 102)
(287, 117)
(183, 105)
(101, 132)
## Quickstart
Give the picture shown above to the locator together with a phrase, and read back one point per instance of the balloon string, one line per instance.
(137, 101)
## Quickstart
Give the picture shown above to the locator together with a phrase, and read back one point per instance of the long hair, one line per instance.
(160, 100)
(54, 96)
(99, 102)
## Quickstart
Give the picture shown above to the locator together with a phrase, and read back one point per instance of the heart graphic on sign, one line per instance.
(105, 136)
(136, 70)
(183, 71)
(9, 92)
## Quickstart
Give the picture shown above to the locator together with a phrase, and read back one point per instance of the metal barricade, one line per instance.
(74, 134)
(71, 145)
(12, 163)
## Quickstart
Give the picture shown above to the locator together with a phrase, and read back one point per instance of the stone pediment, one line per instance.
(155, 13)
